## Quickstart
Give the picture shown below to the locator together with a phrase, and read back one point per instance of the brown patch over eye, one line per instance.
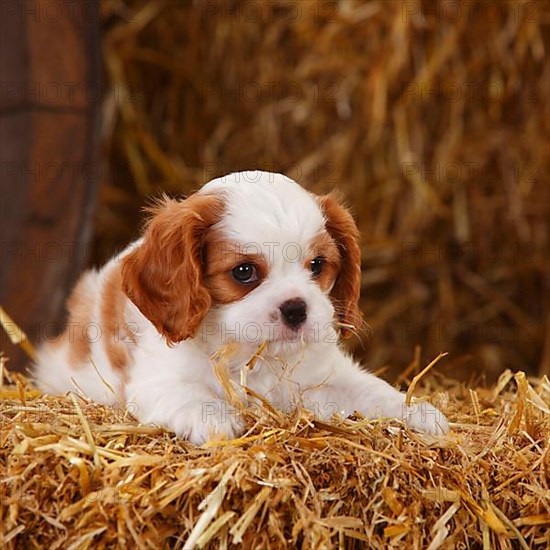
(323, 261)
(222, 259)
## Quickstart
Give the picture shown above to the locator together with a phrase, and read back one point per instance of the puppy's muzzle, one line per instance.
(294, 312)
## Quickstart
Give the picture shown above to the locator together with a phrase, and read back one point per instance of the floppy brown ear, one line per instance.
(347, 288)
(163, 275)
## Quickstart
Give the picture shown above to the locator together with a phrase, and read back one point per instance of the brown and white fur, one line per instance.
(250, 259)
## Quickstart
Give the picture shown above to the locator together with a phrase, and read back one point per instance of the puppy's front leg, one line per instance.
(377, 398)
(352, 389)
(191, 410)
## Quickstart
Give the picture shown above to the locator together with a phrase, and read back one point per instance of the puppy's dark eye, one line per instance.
(316, 266)
(245, 274)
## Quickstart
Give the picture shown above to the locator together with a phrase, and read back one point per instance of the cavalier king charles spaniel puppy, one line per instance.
(250, 266)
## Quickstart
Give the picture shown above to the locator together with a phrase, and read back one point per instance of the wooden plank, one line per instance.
(49, 158)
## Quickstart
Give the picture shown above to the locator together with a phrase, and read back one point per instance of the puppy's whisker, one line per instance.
(350, 328)
(363, 329)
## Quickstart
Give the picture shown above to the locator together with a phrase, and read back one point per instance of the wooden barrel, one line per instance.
(50, 95)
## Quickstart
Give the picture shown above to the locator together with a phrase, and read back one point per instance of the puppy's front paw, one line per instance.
(426, 418)
(207, 421)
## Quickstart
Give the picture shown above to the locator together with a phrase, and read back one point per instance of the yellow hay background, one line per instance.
(432, 117)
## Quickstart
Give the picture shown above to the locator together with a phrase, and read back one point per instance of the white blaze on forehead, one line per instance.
(264, 208)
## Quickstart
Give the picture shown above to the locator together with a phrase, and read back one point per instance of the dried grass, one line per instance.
(436, 127)
(80, 475)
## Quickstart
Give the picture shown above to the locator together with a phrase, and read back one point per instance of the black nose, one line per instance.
(294, 312)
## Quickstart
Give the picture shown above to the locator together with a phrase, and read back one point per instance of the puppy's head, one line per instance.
(252, 257)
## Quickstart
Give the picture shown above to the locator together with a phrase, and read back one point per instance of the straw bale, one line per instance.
(80, 475)
(432, 117)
